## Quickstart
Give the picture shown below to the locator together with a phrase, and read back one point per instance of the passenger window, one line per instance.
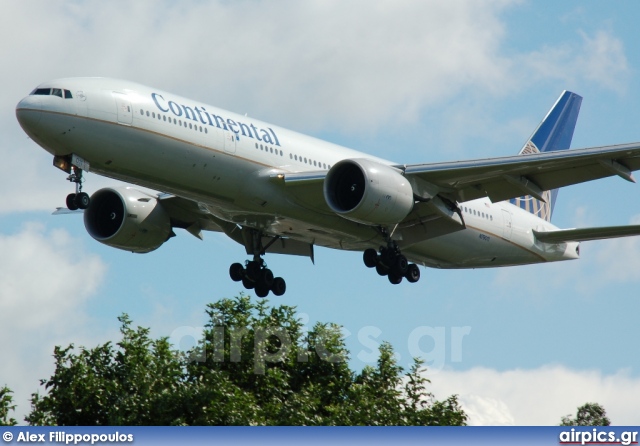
(147, 113)
(56, 92)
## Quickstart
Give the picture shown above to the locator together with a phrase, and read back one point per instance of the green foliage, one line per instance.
(134, 384)
(590, 414)
(254, 366)
(6, 406)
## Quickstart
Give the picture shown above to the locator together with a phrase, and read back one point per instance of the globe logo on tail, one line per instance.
(529, 203)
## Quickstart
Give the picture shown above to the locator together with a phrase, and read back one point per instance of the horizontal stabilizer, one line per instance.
(586, 234)
(65, 211)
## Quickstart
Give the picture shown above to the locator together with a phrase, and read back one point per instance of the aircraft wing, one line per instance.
(514, 176)
(586, 234)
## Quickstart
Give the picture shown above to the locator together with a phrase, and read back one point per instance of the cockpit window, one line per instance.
(53, 92)
(42, 91)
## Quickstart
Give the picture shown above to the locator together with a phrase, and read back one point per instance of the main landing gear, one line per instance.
(255, 275)
(79, 200)
(391, 263)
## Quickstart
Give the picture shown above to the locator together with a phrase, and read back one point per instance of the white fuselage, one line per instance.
(225, 163)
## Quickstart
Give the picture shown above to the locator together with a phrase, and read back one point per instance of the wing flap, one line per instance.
(586, 234)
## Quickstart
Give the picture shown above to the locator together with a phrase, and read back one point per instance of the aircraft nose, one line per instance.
(29, 112)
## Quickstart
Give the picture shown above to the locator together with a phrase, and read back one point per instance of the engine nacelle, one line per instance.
(128, 219)
(368, 192)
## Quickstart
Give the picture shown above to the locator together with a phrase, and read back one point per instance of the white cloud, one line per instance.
(598, 58)
(47, 277)
(362, 67)
(603, 60)
(314, 64)
(539, 396)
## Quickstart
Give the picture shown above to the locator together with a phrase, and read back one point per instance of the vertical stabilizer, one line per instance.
(554, 133)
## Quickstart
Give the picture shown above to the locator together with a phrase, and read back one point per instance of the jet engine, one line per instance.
(128, 219)
(368, 192)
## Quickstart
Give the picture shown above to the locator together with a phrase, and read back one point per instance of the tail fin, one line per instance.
(554, 133)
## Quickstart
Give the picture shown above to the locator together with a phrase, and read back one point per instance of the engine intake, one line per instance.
(128, 219)
(368, 192)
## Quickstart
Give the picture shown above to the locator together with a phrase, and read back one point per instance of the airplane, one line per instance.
(277, 191)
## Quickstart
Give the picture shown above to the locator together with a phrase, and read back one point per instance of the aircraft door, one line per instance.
(80, 100)
(229, 141)
(508, 227)
(123, 105)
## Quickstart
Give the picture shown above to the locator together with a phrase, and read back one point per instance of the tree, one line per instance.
(6, 406)
(590, 414)
(254, 366)
(134, 384)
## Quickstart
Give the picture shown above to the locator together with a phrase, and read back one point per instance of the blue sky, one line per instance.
(408, 81)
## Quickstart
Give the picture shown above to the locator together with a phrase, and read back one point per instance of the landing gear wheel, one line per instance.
(381, 269)
(394, 278)
(248, 284)
(253, 270)
(261, 290)
(279, 286)
(400, 266)
(386, 257)
(370, 257)
(266, 278)
(236, 271)
(413, 273)
(71, 202)
(83, 200)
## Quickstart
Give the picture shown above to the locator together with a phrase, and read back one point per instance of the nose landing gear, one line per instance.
(74, 166)
(79, 200)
